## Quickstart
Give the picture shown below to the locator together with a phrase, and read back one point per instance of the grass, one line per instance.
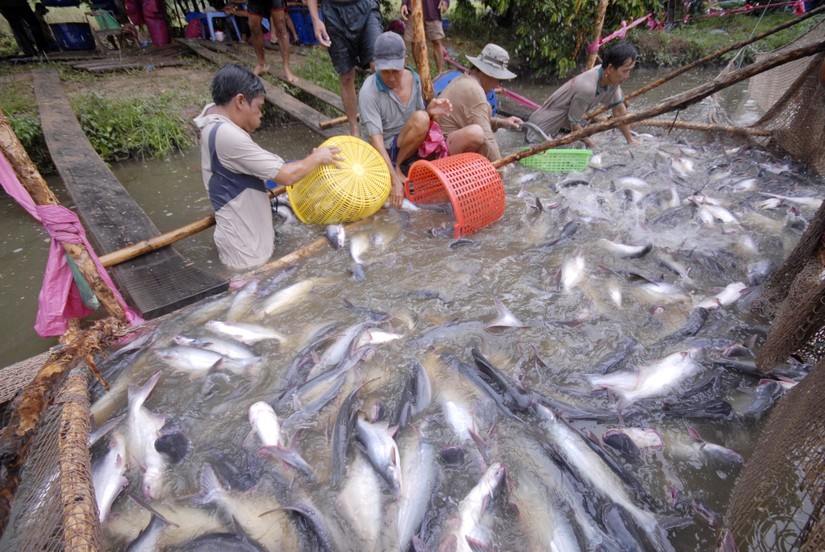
(120, 129)
(701, 37)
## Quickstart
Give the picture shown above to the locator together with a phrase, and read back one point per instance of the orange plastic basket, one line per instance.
(468, 181)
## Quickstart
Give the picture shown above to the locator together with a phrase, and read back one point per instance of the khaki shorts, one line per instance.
(433, 30)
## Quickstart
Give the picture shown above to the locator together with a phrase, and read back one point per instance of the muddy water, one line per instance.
(572, 318)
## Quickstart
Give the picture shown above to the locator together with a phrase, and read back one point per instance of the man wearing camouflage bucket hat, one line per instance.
(470, 125)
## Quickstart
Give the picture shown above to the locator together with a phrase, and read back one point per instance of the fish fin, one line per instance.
(291, 457)
(138, 395)
(694, 434)
(210, 485)
(476, 545)
(673, 522)
(146, 506)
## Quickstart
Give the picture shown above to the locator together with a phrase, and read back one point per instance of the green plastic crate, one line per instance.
(559, 160)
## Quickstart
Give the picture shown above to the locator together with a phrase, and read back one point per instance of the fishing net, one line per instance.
(795, 103)
(54, 506)
(780, 495)
(778, 501)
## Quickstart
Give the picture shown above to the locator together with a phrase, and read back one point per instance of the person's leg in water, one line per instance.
(279, 29)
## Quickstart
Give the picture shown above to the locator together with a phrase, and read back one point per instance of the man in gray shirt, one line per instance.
(393, 117)
(235, 168)
(564, 111)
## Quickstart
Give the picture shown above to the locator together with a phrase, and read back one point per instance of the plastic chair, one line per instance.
(106, 26)
(210, 24)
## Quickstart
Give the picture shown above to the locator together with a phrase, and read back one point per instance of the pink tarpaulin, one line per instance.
(59, 299)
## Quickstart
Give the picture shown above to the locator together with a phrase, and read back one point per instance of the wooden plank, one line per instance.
(125, 66)
(242, 53)
(154, 284)
(275, 95)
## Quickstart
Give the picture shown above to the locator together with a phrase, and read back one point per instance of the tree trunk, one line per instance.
(597, 33)
(34, 183)
(419, 46)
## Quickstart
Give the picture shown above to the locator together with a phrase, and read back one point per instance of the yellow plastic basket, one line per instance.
(329, 195)
(559, 160)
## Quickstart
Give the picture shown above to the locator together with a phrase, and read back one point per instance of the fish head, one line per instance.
(259, 409)
(152, 479)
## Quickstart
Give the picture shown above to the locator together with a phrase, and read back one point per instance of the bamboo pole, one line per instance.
(711, 57)
(679, 101)
(419, 46)
(30, 405)
(153, 244)
(81, 530)
(34, 183)
(600, 13)
(707, 127)
(335, 121)
(298, 255)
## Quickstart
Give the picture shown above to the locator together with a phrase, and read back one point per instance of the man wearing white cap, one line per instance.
(393, 117)
(470, 125)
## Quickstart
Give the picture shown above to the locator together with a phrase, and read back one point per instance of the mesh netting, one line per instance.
(795, 103)
(54, 507)
(778, 500)
(13, 378)
(794, 296)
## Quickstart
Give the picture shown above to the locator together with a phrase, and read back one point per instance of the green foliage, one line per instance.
(131, 128)
(318, 68)
(550, 37)
(17, 102)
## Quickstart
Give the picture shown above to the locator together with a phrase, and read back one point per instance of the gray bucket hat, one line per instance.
(390, 52)
(493, 61)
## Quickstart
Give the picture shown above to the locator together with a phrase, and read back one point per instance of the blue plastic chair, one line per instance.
(440, 83)
(210, 24)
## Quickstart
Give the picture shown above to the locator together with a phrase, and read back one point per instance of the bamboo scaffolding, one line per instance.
(710, 57)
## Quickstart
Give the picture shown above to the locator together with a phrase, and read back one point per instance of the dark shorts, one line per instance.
(393, 153)
(353, 28)
(264, 7)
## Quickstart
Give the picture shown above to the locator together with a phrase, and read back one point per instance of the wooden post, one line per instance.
(600, 13)
(419, 46)
(31, 179)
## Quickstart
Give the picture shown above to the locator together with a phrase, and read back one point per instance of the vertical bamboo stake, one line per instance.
(600, 13)
(419, 45)
(34, 183)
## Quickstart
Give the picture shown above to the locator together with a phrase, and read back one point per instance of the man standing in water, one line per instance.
(235, 168)
(564, 111)
(349, 31)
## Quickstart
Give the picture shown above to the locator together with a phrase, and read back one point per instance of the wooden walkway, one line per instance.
(221, 54)
(154, 284)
